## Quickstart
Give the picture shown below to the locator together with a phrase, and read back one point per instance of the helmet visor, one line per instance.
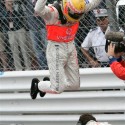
(73, 15)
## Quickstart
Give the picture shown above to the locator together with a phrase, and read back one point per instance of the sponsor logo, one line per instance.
(69, 36)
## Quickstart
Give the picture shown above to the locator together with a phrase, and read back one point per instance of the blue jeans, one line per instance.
(39, 45)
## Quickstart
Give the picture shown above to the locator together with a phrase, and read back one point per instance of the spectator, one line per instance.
(117, 64)
(14, 26)
(37, 32)
(86, 23)
(88, 119)
(96, 39)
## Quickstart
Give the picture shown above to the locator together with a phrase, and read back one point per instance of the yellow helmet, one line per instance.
(73, 9)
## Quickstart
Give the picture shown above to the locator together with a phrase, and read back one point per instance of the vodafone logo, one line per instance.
(69, 31)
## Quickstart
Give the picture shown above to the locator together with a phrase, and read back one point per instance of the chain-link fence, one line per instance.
(23, 36)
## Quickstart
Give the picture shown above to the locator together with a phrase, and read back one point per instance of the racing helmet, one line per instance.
(73, 9)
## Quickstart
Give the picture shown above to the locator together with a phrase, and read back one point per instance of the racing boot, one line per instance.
(42, 94)
(34, 88)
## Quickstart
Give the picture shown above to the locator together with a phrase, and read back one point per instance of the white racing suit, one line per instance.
(61, 56)
(97, 123)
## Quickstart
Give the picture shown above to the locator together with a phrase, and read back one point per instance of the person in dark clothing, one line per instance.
(36, 26)
(13, 25)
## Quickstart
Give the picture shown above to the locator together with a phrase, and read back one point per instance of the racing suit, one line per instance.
(118, 67)
(61, 52)
(91, 122)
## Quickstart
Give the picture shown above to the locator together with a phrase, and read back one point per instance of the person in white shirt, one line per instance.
(96, 39)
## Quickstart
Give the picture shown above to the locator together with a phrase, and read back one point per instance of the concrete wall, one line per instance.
(101, 93)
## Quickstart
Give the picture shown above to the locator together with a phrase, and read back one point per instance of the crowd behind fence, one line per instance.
(23, 36)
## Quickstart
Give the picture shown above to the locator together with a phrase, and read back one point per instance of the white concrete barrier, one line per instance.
(101, 93)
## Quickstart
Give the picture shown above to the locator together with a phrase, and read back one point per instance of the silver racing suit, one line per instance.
(61, 56)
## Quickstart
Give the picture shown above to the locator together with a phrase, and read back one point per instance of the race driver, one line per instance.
(62, 22)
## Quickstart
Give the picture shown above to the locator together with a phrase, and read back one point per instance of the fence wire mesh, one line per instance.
(23, 36)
